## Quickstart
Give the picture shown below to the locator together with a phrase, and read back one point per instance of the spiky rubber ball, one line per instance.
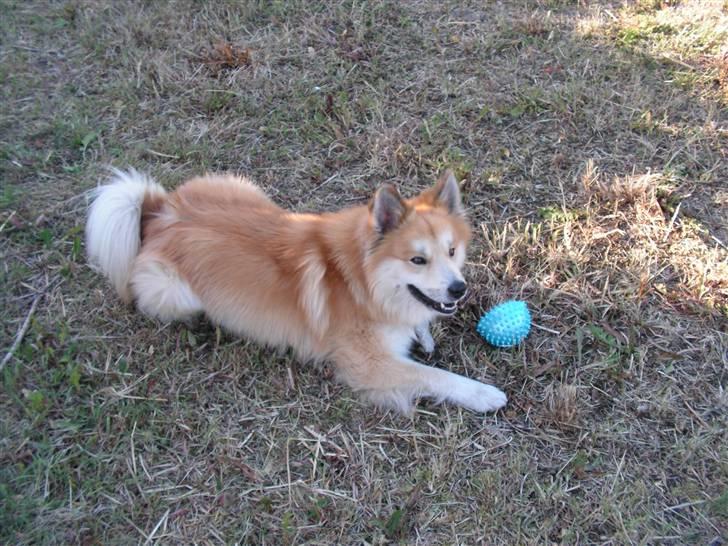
(506, 325)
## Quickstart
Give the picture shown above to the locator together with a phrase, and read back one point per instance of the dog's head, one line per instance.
(418, 250)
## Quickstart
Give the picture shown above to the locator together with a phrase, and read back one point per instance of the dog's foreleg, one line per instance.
(397, 382)
(424, 337)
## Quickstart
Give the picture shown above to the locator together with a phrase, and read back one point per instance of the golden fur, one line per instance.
(333, 286)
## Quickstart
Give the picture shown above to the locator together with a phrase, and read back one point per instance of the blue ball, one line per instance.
(506, 324)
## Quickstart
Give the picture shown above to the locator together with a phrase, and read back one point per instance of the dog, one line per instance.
(355, 288)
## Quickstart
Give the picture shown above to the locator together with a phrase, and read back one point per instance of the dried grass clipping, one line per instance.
(225, 56)
(561, 405)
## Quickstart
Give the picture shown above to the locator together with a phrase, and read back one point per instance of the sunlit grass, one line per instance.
(689, 36)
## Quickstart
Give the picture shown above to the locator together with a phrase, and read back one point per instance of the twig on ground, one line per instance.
(21, 333)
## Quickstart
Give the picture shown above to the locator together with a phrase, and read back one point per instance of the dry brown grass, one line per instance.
(591, 141)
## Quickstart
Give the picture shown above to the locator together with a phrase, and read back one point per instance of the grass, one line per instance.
(591, 141)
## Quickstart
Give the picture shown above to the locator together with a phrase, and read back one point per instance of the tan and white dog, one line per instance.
(353, 287)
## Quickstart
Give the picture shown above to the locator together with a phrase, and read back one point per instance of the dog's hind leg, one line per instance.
(160, 292)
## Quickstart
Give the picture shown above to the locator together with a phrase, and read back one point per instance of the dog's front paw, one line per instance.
(483, 398)
(427, 343)
(425, 339)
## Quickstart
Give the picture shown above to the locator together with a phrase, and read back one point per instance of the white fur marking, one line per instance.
(473, 395)
(445, 240)
(160, 292)
(424, 337)
(422, 247)
(388, 286)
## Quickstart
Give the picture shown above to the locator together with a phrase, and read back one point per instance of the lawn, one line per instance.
(591, 139)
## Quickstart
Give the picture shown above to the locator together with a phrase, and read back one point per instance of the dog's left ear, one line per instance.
(445, 193)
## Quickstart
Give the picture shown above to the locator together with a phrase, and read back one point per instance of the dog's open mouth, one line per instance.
(440, 307)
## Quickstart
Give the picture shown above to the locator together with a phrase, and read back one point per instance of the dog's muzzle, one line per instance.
(445, 308)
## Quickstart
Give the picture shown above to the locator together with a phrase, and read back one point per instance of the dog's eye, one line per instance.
(418, 260)
(452, 251)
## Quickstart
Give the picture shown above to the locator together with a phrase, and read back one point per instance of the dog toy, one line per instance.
(506, 325)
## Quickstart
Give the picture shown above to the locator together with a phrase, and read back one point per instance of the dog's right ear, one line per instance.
(388, 209)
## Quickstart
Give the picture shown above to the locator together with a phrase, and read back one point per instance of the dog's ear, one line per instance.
(387, 209)
(445, 193)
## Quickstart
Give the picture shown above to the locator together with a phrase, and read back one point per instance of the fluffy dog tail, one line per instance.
(113, 228)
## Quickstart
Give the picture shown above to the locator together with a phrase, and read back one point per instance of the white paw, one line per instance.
(481, 397)
(425, 339)
(427, 344)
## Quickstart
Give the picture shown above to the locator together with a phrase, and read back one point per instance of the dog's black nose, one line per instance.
(457, 289)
